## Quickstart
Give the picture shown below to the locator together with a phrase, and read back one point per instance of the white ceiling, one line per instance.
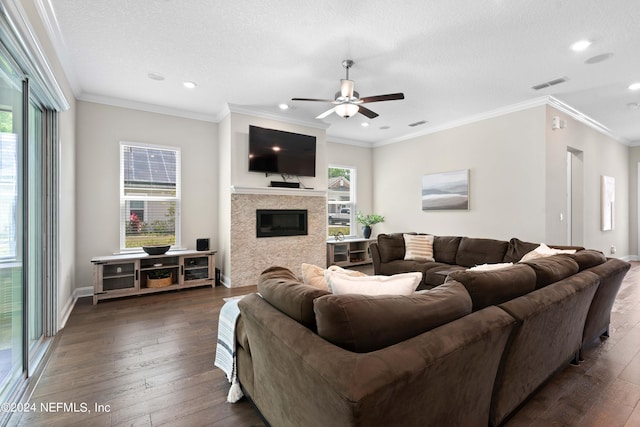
(453, 59)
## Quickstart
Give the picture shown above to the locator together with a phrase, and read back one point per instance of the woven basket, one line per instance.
(159, 283)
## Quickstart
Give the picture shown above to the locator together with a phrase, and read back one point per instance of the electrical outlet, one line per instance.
(613, 249)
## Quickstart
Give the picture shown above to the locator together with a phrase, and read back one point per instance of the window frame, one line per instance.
(353, 176)
(126, 199)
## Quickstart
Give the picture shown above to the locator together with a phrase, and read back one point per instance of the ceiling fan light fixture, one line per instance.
(346, 110)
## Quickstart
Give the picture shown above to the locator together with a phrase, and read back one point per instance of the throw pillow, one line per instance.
(418, 247)
(398, 284)
(491, 267)
(313, 275)
(545, 251)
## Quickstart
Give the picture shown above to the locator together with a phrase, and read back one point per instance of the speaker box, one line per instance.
(202, 244)
(285, 184)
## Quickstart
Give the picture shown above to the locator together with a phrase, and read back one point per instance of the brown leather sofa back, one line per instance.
(552, 269)
(548, 335)
(445, 248)
(289, 295)
(473, 251)
(300, 379)
(363, 323)
(496, 286)
(611, 274)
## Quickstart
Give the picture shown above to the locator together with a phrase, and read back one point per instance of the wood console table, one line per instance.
(132, 274)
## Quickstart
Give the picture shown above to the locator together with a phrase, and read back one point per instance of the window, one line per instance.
(149, 196)
(341, 198)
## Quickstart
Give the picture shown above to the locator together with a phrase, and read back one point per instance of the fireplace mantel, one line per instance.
(277, 191)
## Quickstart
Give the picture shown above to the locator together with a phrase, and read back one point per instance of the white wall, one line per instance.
(506, 159)
(100, 128)
(240, 175)
(634, 178)
(601, 155)
(360, 158)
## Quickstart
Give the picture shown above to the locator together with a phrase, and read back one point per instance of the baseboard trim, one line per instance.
(66, 311)
(86, 291)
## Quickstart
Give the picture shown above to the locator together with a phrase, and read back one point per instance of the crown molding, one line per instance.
(240, 109)
(52, 27)
(583, 118)
(345, 141)
(23, 43)
(142, 106)
(536, 102)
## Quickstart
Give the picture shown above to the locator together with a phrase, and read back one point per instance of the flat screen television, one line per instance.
(285, 153)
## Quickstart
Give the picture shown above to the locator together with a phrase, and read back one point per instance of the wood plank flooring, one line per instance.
(148, 361)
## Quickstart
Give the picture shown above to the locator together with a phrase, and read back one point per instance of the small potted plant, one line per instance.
(367, 221)
(159, 278)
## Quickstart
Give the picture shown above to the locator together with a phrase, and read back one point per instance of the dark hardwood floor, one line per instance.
(148, 361)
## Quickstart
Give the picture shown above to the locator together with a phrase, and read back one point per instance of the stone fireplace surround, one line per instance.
(250, 255)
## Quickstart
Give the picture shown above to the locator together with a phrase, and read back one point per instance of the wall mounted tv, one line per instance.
(285, 153)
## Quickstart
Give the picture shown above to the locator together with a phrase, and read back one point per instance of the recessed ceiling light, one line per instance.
(634, 86)
(385, 127)
(599, 58)
(364, 124)
(580, 45)
(633, 105)
(189, 85)
(283, 106)
(155, 76)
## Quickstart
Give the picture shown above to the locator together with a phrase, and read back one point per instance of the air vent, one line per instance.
(550, 83)
(421, 122)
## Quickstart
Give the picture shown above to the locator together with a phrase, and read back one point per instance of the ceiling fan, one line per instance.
(348, 102)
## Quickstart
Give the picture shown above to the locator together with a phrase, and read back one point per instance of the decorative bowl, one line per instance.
(156, 250)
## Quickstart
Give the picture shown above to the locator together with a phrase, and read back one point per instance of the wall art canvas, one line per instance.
(608, 192)
(446, 191)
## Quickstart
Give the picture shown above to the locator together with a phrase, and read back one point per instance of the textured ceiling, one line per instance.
(452, 59)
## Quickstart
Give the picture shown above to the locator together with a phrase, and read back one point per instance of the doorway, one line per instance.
(575, 197)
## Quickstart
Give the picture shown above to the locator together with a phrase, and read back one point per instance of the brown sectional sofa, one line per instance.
(467, 352)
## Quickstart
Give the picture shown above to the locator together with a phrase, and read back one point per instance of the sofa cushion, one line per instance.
(517, 249)
(493, 287)
(280, 288)
(588, 258)
(445, 248)
(391, 246)
(418, 247)
(474, 251)
(398, 284)
(552, 269)
(313, 275)
(362, 323)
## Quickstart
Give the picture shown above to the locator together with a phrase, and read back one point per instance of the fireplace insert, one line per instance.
(281, 222)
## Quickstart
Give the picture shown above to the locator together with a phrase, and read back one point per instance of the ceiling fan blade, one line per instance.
(366, 112)
(389, 97)
(346, 88)
(326, 113)
(313, 99)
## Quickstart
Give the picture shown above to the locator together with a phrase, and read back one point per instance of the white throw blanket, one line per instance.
(226, 347)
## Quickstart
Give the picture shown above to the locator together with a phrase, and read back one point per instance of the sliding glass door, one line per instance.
(35, 237)
(11, 226)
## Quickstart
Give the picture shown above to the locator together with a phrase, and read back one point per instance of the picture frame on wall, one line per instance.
(445, 191)
(607, 196)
